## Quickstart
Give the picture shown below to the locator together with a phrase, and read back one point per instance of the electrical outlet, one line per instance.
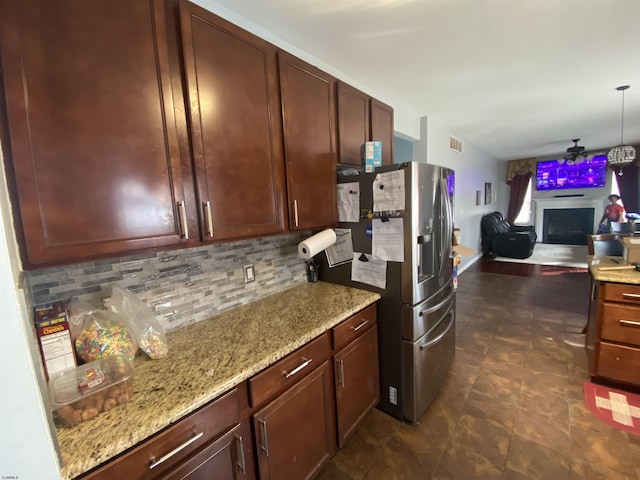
(249, 273)
(393, 395)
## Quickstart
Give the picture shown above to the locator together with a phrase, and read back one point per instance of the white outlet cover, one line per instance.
(249, 273)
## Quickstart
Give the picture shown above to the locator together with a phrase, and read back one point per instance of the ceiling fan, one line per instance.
(574, 152)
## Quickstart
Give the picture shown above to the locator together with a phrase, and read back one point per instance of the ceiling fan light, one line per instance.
(621, 156)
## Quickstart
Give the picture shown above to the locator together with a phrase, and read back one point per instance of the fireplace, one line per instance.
(568, 226)
(570, 202)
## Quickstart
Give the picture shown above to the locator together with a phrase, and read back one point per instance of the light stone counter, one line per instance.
(205, 360)
(628, 275)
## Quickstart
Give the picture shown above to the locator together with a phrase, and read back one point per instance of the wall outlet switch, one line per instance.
(393, 395)
(249, 273)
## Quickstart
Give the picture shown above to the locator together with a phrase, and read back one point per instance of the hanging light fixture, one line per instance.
(622, 155)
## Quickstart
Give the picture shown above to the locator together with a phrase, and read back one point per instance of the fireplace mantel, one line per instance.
(541, 204)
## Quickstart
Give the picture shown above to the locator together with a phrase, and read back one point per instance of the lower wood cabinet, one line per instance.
(613, 336)
(295, 433)
(212, 442)
(357, 382)
(224, 458)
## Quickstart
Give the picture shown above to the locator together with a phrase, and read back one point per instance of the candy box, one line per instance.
(54, 338)
(81, 393)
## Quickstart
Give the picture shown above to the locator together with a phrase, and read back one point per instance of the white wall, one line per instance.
(474, 167)
(27, 449)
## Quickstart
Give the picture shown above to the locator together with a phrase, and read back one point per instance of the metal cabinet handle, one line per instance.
(362, 324)
(593, 292)
(240, 446)
(265, 439)
(635, 296)
(295, 212)
(154, 463)
(341, 373)
(182, 213)
(207, 213)
(629, 323)
(306, 362)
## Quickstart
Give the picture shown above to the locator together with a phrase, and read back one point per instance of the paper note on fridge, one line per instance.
(388, 191)
(342, 250)
(372, 272)
(388, 239)
(349, 202)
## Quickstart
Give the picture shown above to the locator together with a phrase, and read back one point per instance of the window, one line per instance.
(524, 215)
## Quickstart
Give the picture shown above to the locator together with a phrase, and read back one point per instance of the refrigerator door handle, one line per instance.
(437, 306)
(442, 334)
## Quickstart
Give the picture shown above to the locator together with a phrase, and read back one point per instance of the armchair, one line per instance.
(501, 238)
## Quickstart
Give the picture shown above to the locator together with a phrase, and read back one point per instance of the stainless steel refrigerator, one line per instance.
(416, 314)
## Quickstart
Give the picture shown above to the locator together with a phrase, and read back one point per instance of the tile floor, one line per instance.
(512, 407)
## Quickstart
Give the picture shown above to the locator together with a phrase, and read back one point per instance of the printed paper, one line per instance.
(349, 202)
(388, 239)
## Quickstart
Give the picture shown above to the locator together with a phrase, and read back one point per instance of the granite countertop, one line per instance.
(205, 360)
(600, 270)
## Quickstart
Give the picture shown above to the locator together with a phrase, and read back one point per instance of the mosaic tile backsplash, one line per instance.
(181, 286)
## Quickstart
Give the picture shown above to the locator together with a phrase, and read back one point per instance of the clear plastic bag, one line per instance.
(98, 333)
(147, 331)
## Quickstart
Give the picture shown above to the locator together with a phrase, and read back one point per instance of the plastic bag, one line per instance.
(147, 331)
(98, 333)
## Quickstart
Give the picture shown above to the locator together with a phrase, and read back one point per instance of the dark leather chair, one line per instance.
(502, 239)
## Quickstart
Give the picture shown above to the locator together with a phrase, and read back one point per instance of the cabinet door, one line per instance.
(357, 384)
(90, 133)
(353, 124)
(223, 459)
(308, 109)
(382, 128)
(236, 126)
(295, 433)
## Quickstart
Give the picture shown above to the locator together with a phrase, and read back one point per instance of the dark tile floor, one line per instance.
(512, 407)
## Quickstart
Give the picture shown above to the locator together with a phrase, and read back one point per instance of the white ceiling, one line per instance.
(517, 78)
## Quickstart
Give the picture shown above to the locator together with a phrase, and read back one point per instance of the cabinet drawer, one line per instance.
(621, 323)
(178, 442)
(622, 292)
(619, 363)
(289, 370)
(353, 326)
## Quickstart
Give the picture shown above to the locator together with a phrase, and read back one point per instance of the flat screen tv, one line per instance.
(559, 174)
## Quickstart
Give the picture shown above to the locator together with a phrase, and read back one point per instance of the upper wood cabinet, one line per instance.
(353, 124)
(89, 134)
(382, 128)
(308, 109)
(236, 126)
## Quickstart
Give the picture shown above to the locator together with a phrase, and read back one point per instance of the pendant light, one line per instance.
(622, 155)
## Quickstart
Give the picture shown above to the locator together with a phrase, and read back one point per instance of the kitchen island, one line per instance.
(205, 360)
(613, 336)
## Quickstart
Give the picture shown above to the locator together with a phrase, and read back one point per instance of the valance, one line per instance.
(520, 167)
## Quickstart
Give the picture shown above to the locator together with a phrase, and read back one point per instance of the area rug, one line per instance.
(553, 254)
(617, 408)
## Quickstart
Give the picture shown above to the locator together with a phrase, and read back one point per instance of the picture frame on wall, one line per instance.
(487, 193)
(478, 197)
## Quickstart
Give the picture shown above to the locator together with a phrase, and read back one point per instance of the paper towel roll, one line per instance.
(317, 243)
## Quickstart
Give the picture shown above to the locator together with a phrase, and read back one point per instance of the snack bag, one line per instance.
(146, 329)
(100, 333)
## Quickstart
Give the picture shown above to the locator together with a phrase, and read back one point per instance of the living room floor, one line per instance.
(512, 407)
